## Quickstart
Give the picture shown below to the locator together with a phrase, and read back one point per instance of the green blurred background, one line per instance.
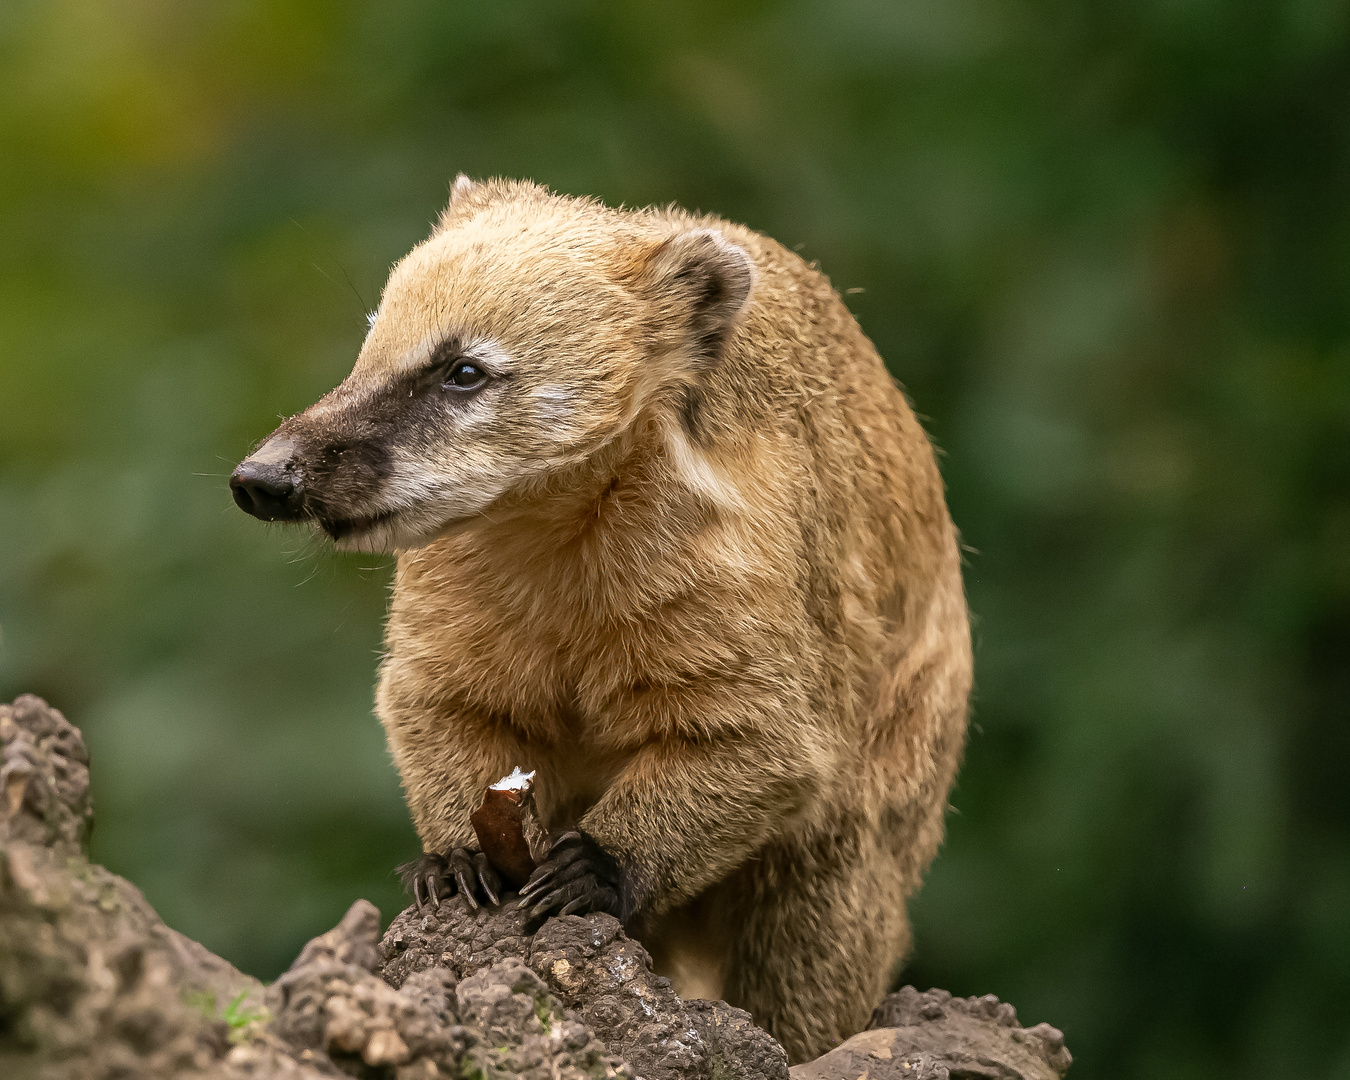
(1104, 244)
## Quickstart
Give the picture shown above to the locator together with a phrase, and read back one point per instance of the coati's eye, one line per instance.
(465, 376)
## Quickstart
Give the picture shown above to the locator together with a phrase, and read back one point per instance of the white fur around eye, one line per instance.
(555, 404)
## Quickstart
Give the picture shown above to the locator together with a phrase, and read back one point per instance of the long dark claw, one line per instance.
(529, 895)
(555, 861)
(561, 876)
(531, 888)
(432, 877)
(528, 890)
(550, 871)
(574, 906)
(577, 876)
(464, 875)
(487, 877)
(565, 894)
(604, 900)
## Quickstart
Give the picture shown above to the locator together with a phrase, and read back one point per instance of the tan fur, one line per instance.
(715, 600)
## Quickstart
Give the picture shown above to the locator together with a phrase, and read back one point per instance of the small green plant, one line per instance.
(544, 1013)
(243, 1018)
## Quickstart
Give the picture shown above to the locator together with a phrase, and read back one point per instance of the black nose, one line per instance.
(264, 485)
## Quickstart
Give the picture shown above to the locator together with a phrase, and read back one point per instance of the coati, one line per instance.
(669, 534)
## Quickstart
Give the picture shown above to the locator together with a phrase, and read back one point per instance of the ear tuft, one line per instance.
(709, 276)
(460, 188)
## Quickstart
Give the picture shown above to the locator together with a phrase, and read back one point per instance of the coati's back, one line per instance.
(882, 558)
(669, 534)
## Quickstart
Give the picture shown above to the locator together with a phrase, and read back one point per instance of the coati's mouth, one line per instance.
(389, 530)
(351, 529)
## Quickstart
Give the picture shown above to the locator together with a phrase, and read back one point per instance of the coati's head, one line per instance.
(527, 332)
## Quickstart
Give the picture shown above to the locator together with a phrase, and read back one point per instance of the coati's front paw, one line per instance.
(430, 877)
(577, 877)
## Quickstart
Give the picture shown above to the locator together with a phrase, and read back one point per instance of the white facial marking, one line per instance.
(490, 353)
(698, 473)
(554, 404)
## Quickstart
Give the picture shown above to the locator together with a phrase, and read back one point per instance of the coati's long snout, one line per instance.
(266, 483)
(313, 469)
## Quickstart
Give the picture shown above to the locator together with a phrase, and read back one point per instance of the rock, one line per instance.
(44, 778)
(92, 983)
(355, 940)
(738, 1049)
(331, 1013)
(607, 977)
(94, 986)
(343, 1016)
(587, 962)
(518, 1028)
(451, 936)
(934, 1036)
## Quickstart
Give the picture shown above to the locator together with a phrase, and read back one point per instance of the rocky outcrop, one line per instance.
(332, 1011)
(594, 969)
(94, 986)
(934, 1036)
(92, 983)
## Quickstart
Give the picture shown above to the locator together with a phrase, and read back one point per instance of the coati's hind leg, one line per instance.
(431, 877)
(817, 932)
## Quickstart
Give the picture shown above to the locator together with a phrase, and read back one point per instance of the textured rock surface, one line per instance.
(93, 986)
(934, 1036)
(334, 1012)
(92, 983)
(591, 966)
(738, 1049)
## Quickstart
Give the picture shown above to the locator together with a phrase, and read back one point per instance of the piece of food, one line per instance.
(508, 828)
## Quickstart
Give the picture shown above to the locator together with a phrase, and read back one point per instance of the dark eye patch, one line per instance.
(421, 381)
(453, 370)
(414, 398)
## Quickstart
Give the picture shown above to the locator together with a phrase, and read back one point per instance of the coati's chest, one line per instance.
(563, 630)
(571, 777)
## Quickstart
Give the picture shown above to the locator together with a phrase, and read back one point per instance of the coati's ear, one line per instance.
(461, 187)
(706, 280)
(460, 191)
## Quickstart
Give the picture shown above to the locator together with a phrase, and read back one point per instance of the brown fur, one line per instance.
(691, 561)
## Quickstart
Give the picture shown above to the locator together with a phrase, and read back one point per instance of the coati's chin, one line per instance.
(388, 531)
(359, 533)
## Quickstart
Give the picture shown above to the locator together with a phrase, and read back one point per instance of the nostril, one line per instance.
(265, 491)
(242, 498)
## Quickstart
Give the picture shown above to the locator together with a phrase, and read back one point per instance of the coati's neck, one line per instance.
(598, 541)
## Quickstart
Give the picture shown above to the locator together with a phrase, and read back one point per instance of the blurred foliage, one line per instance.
(1105, 245)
